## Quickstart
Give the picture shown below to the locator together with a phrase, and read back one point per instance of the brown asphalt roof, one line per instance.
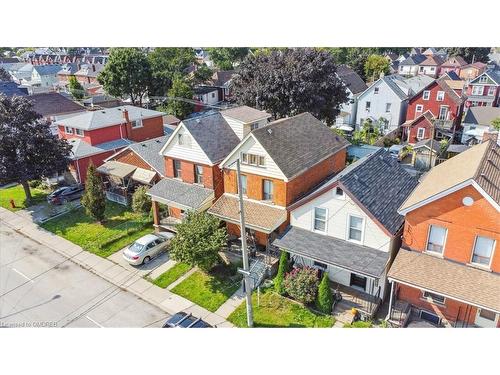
(444, 277)
(53, 103)
(442, 82)
(259, 216)
(479, 163)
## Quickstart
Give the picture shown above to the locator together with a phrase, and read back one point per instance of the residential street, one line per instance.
(39, 287)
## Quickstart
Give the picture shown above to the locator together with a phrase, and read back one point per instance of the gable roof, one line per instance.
(395, 83)
(213, 134)
(494, 76)
(149, 151)
(107, 117)
(80, 148)
(53, 103)
(478, 164)
(221, 77)
(45, 70)
(481, 115)
(245, 114)
(432, 61)
(427, 144)
(351, 79)
(442, 82)
(377, 183)
(414, 60)
(455, 61)
(427, 115)
(297, 143)
(452, 75)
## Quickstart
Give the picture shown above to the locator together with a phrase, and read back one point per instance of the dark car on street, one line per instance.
(65, 194)
(183, 320)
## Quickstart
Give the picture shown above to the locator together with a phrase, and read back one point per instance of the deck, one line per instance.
(365, 303)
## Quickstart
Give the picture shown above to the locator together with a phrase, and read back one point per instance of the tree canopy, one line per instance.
(496, 123)
(127, 73)
(75, 88)
(28, 149)
(165, 64)
(94, 199)
(181, 89)
(470, 53)
(226, 58)
(375, 65)
(288, 82)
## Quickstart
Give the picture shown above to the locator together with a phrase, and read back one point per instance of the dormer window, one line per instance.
(254, 126)
(252, 159)
(136, 124)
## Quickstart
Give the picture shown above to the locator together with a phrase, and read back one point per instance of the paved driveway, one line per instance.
(156, 263)
(40, 287)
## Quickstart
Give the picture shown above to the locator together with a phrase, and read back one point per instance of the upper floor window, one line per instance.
(437, 239)
(254, 126)
(79, 132)
(477, 90)
(198, 174)
(440, 96)
(136, 124)
(68, 130)
(491, 90)
(426, 95)
(320, 219)
(419, 108)
(368, 105)
(252, 159)
(421, 69)
(376, 90)
(177, 169)
(483, 79)
(355, 230)
(420, 133)
(184, 140)
(268, 190)
(387, 107)
(483, 250)
(433, 68)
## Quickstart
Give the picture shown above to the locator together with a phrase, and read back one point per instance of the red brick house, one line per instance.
(280, 163)
(447, 271)
(96, 135)
(192, 156)
(443, 102)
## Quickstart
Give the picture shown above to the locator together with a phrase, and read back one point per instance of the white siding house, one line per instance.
(188, 150)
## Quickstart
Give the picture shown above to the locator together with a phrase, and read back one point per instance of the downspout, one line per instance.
(78, 171)
(388, 317)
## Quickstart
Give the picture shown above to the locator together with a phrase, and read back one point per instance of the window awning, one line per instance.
(117, 169)
(143, 176)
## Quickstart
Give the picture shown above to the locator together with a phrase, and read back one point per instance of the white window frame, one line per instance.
(491, 90)
(79, 132)
(477, 90)
(136, 124)
(419, 108)
(325, 220)
(483, 79)
(244, 158)
(388, 110)
(430, 299)
(440, 96)
(197, 174)
(68, 130)
(441, 254)
(426, 95)
(376, 90)
(254, 126)
(264, 189)
(447, 112)
(368, 106)
(420, 136)
(184, 140)
(348, 227)
(421, 69)
(177, 172)
(491, 256)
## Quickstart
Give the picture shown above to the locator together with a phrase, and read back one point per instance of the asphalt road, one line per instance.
(40, 288)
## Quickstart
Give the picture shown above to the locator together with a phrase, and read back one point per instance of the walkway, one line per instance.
(127, 279)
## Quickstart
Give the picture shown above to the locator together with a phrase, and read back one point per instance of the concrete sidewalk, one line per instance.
(127, 279)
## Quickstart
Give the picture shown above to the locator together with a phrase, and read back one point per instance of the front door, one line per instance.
(486, 318)
(358, 282)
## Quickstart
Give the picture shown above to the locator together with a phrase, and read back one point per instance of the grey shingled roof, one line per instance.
(187, 196)
(150, 152)
(351, 79)
(53, 103)
(9, 88)
(81, 148)
(414, 60)
(481, 115)
(394, 83)
(214, 135)
(427, 143)
(45, 70)
(380, 185)
(299, 142)
(334, 251)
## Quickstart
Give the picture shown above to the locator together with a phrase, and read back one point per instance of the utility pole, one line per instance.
(244, 251)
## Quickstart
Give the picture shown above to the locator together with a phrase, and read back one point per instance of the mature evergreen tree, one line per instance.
(94, 199)
(324, 300)
(470, 53)
(28, 149)
(226, 58)
(199, 239)
(279, 280)
(166, 63)
(141, 202)
(75, 88)
(127, 74)
(176, 106)
(292, 81)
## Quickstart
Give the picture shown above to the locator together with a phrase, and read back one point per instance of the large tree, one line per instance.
(470, 53)
(226, 58)
(75, 88)
(199, 239)
(165, 64)
(179, 97)
(286, 83)
(28, 149)
(127, 73)
(375, 65)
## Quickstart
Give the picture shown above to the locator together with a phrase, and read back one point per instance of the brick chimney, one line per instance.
(128, 125)
(490, 134)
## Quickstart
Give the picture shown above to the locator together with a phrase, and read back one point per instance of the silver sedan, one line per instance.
(146, 248)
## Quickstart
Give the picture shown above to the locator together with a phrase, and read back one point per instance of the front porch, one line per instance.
(366, 304)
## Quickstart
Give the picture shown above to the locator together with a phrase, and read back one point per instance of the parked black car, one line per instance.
(65, 194)
(183, 320)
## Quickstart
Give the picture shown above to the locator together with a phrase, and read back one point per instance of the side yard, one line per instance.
(16, 193)
(121, 227)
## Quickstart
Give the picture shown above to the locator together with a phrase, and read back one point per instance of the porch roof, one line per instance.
(444, 277)
(261, 217)
(180, 194)
(117, 169)
(333, 251)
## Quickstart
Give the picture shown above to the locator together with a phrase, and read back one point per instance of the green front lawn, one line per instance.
(208, 290)
(359, 324)
(122, 227)
(172, 274)
(17, 194)
(277, 311)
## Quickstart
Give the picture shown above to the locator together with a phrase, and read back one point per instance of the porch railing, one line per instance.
(117, 198)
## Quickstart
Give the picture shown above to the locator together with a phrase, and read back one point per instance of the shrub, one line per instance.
(94, 200)
(302, 284)
(280, 277)
(141, 203)
(35, 183)
(324, 301)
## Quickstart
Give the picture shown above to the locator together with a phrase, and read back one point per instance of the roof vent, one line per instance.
(270, 131)
(103, 111)
(197, 120)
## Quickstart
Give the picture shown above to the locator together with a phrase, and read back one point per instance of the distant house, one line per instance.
(67, 70)
(411, 65)
(425, 154)
(455, 64)
(484, 90)
(206, 96)
(355, 86)
(223, 80)
(87, 74)
(470, 71)
(9, 88)
(477, 121)
(349, 228)
(96, 135)
(430, 66)
(419, 128)
(43, 77)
